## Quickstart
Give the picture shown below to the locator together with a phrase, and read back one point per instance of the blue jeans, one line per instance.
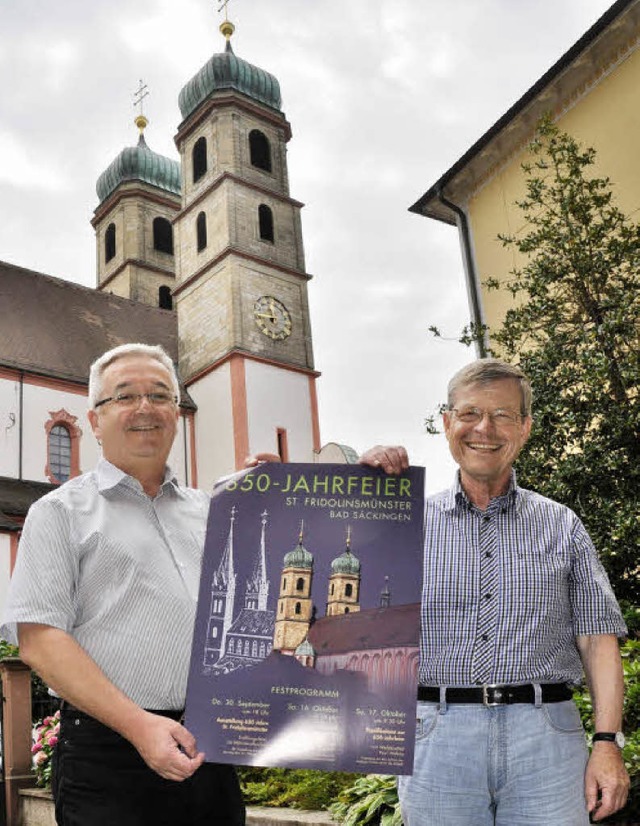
(511, 765)
(99, 779)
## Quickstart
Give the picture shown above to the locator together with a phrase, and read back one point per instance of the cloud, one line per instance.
(22, 166)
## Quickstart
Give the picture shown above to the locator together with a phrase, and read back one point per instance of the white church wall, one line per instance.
(9, 427)
(278, 398)
(179, 451)
(5, 566)
(214, 426)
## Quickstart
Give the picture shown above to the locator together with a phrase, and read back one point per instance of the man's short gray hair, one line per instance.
(486, 370)
(154, 351)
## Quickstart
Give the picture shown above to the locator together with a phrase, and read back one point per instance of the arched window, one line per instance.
(201, 231)
(165, 300)
(259, 149)
(346, 610)
(298, 608)
(300, 584)
(63, 446)
(230, 647)
(265, 222)
(348, 589)
(109, 243)
(60, 452)
(162, 235)
(333, 587)
(246, 648)
(254, 648)
(284, 583)
(214, 632)
(199, 159)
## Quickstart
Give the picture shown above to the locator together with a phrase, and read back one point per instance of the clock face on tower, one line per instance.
(272, 318)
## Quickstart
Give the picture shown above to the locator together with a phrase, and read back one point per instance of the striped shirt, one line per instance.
(120, 572)
(507, 590)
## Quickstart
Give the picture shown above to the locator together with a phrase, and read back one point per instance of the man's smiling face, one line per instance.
(143, 433)
(484, 450)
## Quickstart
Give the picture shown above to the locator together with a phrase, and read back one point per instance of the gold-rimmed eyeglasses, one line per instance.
(500, 417)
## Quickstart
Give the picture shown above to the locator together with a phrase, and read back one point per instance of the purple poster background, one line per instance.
(305, 646)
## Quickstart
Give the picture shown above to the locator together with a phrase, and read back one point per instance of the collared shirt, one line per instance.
(507, 590)
(120, 572)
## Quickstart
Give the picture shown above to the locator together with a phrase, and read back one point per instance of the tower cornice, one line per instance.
(231, 100)
(230, 176)
(231, 250)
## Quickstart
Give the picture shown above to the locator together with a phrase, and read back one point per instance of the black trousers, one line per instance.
(99, 779)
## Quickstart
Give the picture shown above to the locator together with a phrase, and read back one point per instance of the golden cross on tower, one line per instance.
(139, 95)
(226, 27)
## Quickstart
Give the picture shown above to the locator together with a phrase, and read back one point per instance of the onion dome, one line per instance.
(139, 163)
(305, 649)
(299, 557)
(226, 71)
(346, 563)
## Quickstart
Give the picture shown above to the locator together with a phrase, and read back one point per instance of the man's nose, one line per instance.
(486, 422)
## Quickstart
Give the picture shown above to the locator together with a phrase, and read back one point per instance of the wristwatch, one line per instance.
(616, 737)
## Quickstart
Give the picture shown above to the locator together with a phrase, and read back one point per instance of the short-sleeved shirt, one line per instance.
(507, 591)
(118, 571)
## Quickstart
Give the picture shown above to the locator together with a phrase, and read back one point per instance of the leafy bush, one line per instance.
(295, 788)
(630, 652)
(372, 799)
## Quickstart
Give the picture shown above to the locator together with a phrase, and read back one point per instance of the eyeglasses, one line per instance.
(499, 417)
(157, 399)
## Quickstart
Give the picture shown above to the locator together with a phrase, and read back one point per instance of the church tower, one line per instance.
(293, 615)
(344, 583)
(245, 347)
(223, 594)
(257, 591)
(139, 195)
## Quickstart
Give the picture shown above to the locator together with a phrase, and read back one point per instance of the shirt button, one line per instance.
(488, 554)
(484, 637)
(487, 596)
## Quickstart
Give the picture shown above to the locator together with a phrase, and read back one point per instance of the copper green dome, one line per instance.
(226, 71)
(299, 557)
(305, 649)
(346, 563)
(139, 163)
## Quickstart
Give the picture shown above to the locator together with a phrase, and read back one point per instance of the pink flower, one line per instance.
(40, 758)
(47, 721)
(52, 740)
(36, 747)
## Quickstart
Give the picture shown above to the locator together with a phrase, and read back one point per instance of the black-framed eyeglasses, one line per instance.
(157, 399)
(501, 417)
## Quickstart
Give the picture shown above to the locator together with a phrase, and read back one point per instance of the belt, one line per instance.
(497, 695)
(174, 714)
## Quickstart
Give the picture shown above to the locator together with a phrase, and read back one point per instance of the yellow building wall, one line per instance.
(604, 116)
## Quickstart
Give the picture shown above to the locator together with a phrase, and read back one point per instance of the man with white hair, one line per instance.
(515, 604)
(102, 603)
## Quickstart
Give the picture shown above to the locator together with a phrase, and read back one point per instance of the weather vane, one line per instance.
(224, 5)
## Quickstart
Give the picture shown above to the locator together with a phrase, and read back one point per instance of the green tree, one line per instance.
(573, 327)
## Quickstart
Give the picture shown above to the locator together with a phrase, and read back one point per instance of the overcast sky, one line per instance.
(383, 97)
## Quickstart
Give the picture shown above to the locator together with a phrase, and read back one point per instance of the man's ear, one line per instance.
(526, 428)
(92, 415)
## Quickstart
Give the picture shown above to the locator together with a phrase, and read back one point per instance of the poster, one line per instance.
(305, 646)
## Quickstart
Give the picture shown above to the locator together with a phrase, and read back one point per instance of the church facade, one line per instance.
(203, 256)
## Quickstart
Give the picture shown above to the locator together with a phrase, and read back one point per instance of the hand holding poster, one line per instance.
(305, 647)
